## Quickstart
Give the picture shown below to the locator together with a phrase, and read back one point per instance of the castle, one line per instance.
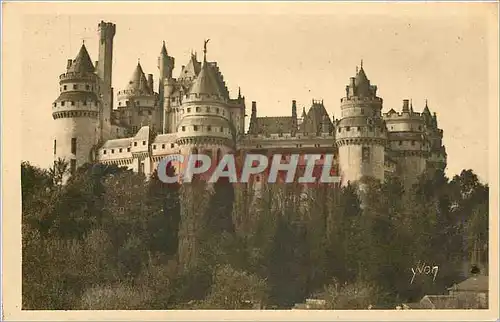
(194, 113)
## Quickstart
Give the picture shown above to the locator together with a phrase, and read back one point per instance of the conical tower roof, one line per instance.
(82, 63)
(361, 78)
(206, 82)
(138, 81)
(426, 109)
(164, 50)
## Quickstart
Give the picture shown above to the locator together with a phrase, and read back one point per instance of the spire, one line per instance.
(239, 92)
(164, 50)
(138, 81)
(426, 109)
(206, 82)
(361, 65)
(411, 105)
(82, 63)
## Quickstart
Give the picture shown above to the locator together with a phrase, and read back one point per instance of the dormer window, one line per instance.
(121, 150)
(87, 87)
(112, 151)
(197, 108)
(163, 146)
(135, 143)
(217, 110)
(103, 151)
(128, 149)
(65, 87)
(189, 110)
(172, 145)
(62, 103)
(183, 128)
(75, 86)
(348, 128)
(209, 128)
(208, 109)
(143, 142)
(72, 103)
(195, 128)
(85, 103)
(154, 147)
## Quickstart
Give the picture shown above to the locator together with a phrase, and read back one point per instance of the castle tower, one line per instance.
(137, 103)
(205, 125)
(107, 32)
(166, 85)
(361, 134)
(408, 146)
(437, 153)
(76, 112)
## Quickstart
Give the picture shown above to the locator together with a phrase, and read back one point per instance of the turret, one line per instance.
(107, 32)
(76, 112)
(406, 106)
(294, 118)
(165, 87)
(137, 102)
(253, 119)
(360, 133)
(205, 121)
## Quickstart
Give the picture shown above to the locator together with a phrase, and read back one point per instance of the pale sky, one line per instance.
(275, 58)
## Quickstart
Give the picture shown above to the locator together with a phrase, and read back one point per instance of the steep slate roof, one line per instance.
(82, 63)
(191, 69)
(165, 138)
(206, 82)
(361, 78)
(220, 79)
(77, 96)
(117, 143)
(314, 119)
(274, 124)
(142, 134)
(138, 81)
(478, 283)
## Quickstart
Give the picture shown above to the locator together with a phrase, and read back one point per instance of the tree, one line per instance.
(233, 290)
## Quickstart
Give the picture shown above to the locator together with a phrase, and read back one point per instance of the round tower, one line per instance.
(361, 134)
(407, 141)
(76, 112)
(166, 65)
(137, 103)
(205, 125)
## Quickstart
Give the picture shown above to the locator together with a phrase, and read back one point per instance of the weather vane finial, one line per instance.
(205, 49)
(361, 63)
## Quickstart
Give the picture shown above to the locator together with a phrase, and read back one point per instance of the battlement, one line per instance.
(196, 97)
(355, 99)
(402, 115)
(107, 30)
(71, 76)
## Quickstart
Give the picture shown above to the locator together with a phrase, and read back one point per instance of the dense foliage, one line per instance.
(109, 239)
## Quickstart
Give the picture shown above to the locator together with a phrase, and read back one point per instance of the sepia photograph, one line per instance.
(266, 157)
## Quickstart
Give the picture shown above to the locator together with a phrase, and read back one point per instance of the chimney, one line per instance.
(325, 124)
(294, 109)
(150, 82)
(352, 81)
(406, 106)
(70, 62)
